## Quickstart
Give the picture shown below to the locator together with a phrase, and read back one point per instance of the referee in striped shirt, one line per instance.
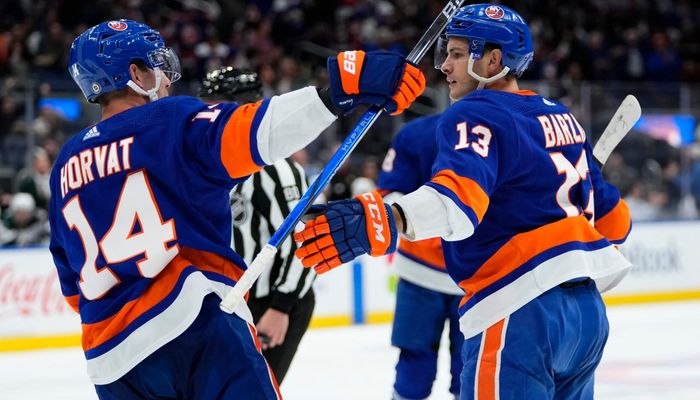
(282, 299)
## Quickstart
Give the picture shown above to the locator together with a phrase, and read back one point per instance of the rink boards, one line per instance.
(33, 313)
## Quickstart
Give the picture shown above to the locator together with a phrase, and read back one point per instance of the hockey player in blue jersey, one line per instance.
(140, 218)
(529, 227)
(426, 296)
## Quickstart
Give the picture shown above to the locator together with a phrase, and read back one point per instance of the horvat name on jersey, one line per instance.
(104, 160)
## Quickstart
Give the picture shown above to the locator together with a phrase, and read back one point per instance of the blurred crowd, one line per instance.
(287, 41)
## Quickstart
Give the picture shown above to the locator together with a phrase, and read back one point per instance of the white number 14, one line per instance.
(136, 205)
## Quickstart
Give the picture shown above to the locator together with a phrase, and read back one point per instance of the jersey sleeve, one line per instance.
(612, 217)
(246, 137)
(399, 166)
(224, 134)
(67, 278)
(466, 168)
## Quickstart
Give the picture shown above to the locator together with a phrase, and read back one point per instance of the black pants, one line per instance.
(280, 357)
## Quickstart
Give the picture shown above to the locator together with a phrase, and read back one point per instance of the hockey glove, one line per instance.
(346, 230)
(377, 77)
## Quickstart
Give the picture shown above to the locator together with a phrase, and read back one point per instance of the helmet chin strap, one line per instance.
(151, 93)
(483, 81)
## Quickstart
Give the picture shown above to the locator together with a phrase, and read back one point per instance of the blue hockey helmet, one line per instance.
(494, 24)
(100, 58)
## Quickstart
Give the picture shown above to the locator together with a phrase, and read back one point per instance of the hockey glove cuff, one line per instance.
(346, 230)
(379, 77)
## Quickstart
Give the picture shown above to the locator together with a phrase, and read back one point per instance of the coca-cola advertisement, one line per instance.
(31, 302)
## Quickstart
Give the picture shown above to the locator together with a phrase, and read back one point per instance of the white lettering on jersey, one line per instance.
(100, 157)
(107, 159)
(578, 137)
(549, 139)
(85, 165)
(481, 145)
(388, 163)
(113, 160)
(560, 130)
(209, 115)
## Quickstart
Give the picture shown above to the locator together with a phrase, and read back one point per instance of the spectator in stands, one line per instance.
(15, 146)
(576, 41)
(35, 179)
(29, 224)
(663, 62)
(211, 53)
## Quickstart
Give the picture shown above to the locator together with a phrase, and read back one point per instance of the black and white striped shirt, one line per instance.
(258, 208)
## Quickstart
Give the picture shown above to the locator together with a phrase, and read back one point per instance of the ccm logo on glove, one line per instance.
(346, 229)
(374, 212)
(377, 226)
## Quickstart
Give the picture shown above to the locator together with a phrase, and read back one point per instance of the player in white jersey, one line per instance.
(529, 227)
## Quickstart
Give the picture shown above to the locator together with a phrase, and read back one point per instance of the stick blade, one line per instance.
(622, 121)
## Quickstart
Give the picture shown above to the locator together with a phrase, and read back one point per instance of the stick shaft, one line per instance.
(370, 116)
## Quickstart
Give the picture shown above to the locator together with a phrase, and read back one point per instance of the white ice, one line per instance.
(653, 353)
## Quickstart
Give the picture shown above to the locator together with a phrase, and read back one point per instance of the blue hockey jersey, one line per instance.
(519, 169)
(408, 165)
(140, 217)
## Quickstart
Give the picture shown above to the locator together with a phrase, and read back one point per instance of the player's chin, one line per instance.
(456, 92)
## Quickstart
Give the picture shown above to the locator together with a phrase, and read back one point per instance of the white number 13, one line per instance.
(481, 146)
(136, 205)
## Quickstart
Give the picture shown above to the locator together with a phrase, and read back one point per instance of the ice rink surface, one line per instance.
(653, 353)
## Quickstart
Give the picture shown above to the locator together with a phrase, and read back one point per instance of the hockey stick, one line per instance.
(267, 254)
(626, 115)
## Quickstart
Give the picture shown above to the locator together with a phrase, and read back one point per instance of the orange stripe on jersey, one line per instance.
(525, 92)
(236, 153)
(73, 302)
(99, 332)
(468, 191)
(491, 346)
(258, 347)
(616, 224)
(210, 262)
(428, 250)
(523, 247)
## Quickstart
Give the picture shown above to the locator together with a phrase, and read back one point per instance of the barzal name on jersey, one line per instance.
(526, 207)
(124, 217)
(408, 165)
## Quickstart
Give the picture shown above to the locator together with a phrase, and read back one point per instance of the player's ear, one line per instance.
(495, 56)
(137, 74)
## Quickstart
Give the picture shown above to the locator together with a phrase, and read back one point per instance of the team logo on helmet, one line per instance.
(495, 12)
(117, 25)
